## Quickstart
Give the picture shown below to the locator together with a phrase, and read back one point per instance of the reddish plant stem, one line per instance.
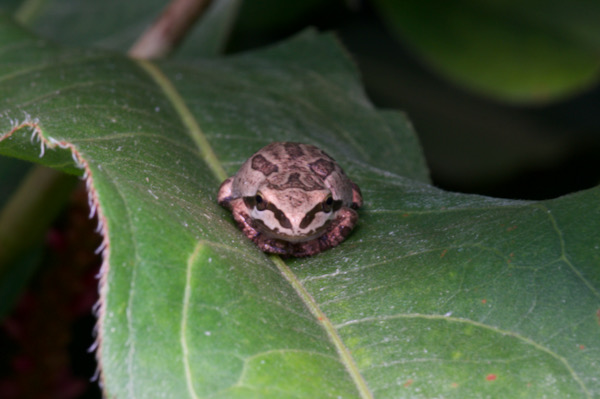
(169, 29)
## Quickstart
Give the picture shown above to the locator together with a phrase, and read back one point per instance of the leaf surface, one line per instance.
(434, 293)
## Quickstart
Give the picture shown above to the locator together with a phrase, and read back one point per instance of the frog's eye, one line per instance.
(261, 204)
(327, 204)
(256, 202)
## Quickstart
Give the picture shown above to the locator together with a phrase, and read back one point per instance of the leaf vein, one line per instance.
(184, 317)
(563, 252)
(345, 356)
(520, 337)
(186, 116)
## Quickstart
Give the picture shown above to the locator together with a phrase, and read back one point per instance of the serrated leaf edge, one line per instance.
(95, 210)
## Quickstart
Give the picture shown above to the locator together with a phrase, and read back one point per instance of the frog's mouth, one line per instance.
(277, 234)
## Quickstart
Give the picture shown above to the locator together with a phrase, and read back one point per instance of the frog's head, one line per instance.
(292, 214)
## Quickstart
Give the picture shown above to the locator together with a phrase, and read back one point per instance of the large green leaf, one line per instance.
(523, 51)
(435, 294)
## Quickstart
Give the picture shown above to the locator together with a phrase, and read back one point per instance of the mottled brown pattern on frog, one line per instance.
(293, 150)
(294, 181)
(308, 218)
(261, 164)
(307, 202)
(322, 167)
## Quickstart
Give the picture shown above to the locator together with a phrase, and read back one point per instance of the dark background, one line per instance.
(472, 143)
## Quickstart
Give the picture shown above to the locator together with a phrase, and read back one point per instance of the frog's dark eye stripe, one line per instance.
(280, 216)
(326, 206)
(257, 201)
(250, 202)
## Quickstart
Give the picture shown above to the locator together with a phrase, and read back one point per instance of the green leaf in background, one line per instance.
(11, 173)
(210, 34)
(85, 23)
(89, 22)
(519, 51)
(435, 294)
(272, 15)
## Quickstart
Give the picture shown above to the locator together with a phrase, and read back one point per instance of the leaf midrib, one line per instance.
(345, 357)
(186, 116)
(216, 167)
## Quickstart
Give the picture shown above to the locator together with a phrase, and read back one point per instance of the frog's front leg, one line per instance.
(243, 219)
(272, 245)
(246, 224)
(338, 230)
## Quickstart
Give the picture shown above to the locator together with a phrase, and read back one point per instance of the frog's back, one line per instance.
(285, 165)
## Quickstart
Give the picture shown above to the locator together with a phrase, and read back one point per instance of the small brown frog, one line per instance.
(292, 199)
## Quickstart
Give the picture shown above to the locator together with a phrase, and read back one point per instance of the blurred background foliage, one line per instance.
(503, 95)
